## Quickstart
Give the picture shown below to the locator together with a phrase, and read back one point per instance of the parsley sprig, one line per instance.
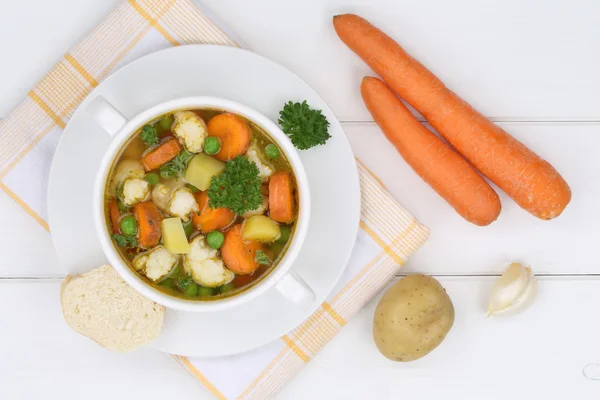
(177, 165)
(305, 127)
(262, 258)
(149, 135)
(125, 240)
(238, 188)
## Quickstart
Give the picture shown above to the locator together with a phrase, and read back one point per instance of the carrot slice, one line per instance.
(115, 215)
(161, 155)
(527, 178)
(149, 218)
(210, 219)
(233, 132)
(281, 197)
(450, 175)
(238, 255)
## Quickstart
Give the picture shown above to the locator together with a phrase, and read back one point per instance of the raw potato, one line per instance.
(174, 237)
(201, 170)
(260, 228)
(412, 318)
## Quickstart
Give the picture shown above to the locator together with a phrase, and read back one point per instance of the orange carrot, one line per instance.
(450, 175)
(281, 197)
(238, 255)
(210, 219)
(149, 218)
(161, 155)
(528, 179)
(115, 215)
(233, 132)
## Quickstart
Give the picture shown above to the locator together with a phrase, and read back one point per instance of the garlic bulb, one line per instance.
(515, 290)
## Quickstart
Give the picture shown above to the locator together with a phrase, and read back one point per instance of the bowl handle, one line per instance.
(106, 115)
(294, 289)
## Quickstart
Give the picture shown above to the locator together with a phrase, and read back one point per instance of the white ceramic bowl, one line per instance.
(281, 277)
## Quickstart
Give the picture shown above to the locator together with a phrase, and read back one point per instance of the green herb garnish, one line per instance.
(125, 240)
(149, 135)
(177, 165)
(262, 258)
(238, 188)
(304, 126)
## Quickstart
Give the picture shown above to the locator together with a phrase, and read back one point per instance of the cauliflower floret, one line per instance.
(155, 263)
(258, 211)
(254, 155)
(182, 203)
(205, 267)
(125, 169)
(135, 190)
(191, 130)
(161, 194)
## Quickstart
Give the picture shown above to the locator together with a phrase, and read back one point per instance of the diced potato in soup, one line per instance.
(174, 237)
(201, 170)
(169, 229)
(260, 228)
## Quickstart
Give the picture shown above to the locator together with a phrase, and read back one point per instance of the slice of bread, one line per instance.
(102, 306)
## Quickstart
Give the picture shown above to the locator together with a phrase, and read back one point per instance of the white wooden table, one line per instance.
(532, 66)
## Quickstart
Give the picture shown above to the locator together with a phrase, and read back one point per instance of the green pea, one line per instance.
(152, 178)
(165, 123)
(123, 207)
(215, 239)
(191, 290)
(226, 288)
(212, 145)
(286, 231)
(188, 228)
(168, 283)
(205, 291)
(128, 225)
(272, 151)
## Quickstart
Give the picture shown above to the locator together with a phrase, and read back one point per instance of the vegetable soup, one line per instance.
(201, 204)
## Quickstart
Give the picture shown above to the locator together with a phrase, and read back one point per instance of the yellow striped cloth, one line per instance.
(29, 135)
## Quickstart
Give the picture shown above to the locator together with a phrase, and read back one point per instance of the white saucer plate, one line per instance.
(239, 75)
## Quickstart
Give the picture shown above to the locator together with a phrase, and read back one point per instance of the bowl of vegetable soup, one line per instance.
(201, 203)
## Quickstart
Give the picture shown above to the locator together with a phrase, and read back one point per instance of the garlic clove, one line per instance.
(513, 291)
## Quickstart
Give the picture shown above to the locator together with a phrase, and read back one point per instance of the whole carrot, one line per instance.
(528, 179)
(450, 175)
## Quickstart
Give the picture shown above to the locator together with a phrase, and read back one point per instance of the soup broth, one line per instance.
(201, 204)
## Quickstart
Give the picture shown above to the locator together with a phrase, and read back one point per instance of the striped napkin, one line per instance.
(29, 135)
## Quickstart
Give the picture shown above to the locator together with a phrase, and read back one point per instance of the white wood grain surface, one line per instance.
(531, 65)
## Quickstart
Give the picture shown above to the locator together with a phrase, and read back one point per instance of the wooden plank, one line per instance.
(563, 246)
(512, 59)
(537, 354)
(566, 245)
(41, 357)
